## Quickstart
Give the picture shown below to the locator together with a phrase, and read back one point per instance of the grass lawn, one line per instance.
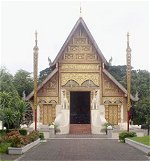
(144, 140)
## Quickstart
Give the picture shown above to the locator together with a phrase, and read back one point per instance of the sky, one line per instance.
(108, 22)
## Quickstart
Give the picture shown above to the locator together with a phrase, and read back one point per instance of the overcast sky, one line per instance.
(108, 21)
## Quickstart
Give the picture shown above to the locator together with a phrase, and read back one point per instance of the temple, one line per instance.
(80, 92)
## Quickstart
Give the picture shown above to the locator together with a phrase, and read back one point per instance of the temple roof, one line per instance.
(43, 83)
(120, 86)
(81, 22)
(78, 23)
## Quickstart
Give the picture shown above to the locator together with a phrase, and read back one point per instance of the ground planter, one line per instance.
(13, 150)
(137, 145)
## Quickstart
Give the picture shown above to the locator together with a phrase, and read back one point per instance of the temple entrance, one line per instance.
(80, 112)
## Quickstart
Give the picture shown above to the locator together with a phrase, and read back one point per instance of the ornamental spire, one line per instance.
(80, 9)
(36, 38)
(128, 57)
(128, 46)
(36, 41)
(35, 69)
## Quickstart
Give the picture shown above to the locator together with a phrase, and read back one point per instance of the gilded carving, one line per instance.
(69, 56)
(50, 88)
(80, 40)
(79, 56)
(113, 114)
(79, 48)
(113, 100)
(45, 100)
(91, 56)
(80, 67)
(110, 89)
(79, 78)
(47, 114)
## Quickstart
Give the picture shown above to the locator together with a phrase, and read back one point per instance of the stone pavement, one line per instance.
(83, 149)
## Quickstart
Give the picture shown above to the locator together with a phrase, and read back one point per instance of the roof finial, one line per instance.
(36, 47)
(128, 46)
(36, 38)
(80, 9)
(128, 39)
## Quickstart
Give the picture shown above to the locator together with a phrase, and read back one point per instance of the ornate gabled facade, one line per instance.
(80, 90)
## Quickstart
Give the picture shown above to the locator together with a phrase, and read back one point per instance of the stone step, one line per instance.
(80, 128)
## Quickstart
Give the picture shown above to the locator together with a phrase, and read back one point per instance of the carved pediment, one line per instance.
(50, 88)
(80, 48)
(80, 78)
(110, 88)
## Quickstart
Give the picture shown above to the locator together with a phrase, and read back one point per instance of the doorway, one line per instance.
(80, 107)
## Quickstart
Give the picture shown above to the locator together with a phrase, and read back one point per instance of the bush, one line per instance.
(34, 135)
(23, 132)
(2, 133)
(14, 138)
(4, 147)
(17, 141)
(41, 136)
(126, 134)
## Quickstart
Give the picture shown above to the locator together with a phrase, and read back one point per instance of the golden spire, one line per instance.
(35, 69)
(80, 9)
(128, 59)
(36, 38)
(36, 47)
(128, 46)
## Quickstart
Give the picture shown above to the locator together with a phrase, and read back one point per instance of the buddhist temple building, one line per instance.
(80, 92)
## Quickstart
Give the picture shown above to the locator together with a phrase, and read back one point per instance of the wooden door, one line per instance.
(47, 114)
(111, 114)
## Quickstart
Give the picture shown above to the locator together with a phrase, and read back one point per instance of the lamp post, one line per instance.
(128, 59)
(35, 69)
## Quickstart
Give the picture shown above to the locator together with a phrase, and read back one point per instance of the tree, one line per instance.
(6, 82)
(140, 83)
(23, 82)
(44, 73)
(12, 110)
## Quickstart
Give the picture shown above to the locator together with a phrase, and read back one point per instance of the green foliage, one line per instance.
(12, 110)
(34, 135)
(41, 136)
(43, 74)
(15, 139)
(7, 116)
(4, 147)
(119, 72)
(140, 83)
(23, 132)
(108, 124)
(23, 82)
(6, 82)
(2, 133)
(126, 134)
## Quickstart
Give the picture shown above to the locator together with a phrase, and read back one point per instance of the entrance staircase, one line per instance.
(80, 128)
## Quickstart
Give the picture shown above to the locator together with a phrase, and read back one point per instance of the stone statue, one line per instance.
(95, 101)
(64, 101)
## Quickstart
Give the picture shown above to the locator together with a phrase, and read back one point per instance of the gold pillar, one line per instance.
(35, 69)
(128, 50)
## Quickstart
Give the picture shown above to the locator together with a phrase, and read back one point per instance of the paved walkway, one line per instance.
(81, 149)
